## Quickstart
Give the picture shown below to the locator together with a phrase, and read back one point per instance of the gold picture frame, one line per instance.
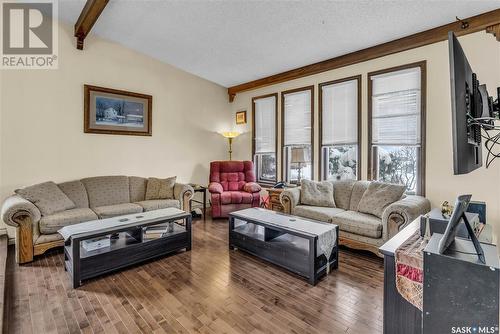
(241, 117)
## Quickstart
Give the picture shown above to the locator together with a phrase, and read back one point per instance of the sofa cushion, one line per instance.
(76, 192)
(359, 223)
(107, 190)
(378, 196)
(156, 204)
(52, 223)
(358, 189)
(47, 197)
(109, 211)
(316, 212)
(342, 191)
(317, 193)
(236, 197)
(137, 188)
(160, 188)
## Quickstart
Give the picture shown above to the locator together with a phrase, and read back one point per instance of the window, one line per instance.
(396, 126)
(339, 115)
(297, 136)
(264, 115)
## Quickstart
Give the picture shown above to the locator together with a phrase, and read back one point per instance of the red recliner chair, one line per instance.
(232, 187)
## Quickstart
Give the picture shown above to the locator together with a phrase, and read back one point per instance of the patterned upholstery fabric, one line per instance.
(180, 191)
(107, 190)
(137, 188)
(323, 214)
(16, 206)
(408, 208)
(109, 211)
(156, 204)
(361, 238)
(359, 223)
(378, 196)
(231, 177)
(47, 197)
(160, 188)
(51, 224)
(342, 191)
(76, 192)
(317, 193)
(44, 238)
(358, 189)
(292, 195)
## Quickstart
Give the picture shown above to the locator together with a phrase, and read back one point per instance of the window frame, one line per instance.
(275, 95)
(423, 98)
(283, 93)
(358, 78)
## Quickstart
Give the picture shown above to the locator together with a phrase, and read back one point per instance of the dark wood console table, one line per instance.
(399, 315)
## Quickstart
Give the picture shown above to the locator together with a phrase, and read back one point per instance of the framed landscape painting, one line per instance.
(117, 112)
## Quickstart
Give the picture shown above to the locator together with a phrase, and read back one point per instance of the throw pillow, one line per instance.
(47, 197)
(317, 193)
(160, 188)
(378, 196)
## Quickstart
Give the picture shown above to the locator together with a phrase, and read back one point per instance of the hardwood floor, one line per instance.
(207, 290)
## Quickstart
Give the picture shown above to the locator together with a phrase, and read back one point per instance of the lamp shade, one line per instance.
(300, 155)
(230, 134)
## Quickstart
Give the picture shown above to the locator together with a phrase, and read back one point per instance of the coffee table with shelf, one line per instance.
(131, 246)
(285, 240)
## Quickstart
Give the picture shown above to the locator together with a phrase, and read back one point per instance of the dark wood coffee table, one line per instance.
(131, 246)
(283, 240)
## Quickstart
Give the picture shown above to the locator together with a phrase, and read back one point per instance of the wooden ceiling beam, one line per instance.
(495, 30)
(88, 17)
(459, 27)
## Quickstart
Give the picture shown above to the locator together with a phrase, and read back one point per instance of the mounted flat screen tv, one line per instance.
(466, 138)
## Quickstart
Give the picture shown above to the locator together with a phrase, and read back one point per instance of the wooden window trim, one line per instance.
(275, 133)
(358, 78)
(283, 93)
(423, 99)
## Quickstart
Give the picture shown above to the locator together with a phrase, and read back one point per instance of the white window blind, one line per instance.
(396, 108)
(340, 113)
(265, 125)
(298, 118)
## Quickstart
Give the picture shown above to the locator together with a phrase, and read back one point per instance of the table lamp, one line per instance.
(300, 155)
(230, 135)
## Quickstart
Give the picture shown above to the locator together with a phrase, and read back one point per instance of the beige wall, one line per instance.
(42, 137)
(483, 52)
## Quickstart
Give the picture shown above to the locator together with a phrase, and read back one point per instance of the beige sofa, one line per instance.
(358, 230)
(94, 198)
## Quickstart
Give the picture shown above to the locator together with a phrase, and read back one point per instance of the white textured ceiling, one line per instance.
(231, 42)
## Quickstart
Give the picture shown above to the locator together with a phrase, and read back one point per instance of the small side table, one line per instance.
(198, 188)
(274, 199)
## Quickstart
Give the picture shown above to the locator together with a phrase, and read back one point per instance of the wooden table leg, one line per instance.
(312, 259)
(76, 263)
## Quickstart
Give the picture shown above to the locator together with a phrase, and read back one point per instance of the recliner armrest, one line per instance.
(252, 187)
(399, 214)
(215, 188)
